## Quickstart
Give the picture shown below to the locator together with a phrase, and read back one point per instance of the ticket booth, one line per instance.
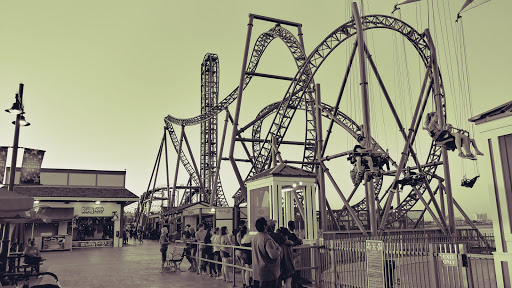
(274, 192)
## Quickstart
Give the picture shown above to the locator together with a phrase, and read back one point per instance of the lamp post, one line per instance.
(17, 108)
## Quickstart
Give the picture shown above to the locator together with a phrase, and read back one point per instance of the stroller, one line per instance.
(26, 285)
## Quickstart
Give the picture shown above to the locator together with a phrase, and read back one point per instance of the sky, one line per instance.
(100, 76)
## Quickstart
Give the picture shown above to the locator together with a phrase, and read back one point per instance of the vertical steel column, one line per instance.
(243, 190)
(177, 165)
(372, 214)
(167, 170)
(440, 111)
(219, 157)
(322, 206)
(201, 186)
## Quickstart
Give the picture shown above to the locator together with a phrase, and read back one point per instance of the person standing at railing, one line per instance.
(200, 235)
(287, 266)
(296, 283)
(245, 256)
(216, 252)
(208, 251)
(266, 255)
(225, 252)
(278, 237)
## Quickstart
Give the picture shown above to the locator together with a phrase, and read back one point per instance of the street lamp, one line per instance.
(17, 108)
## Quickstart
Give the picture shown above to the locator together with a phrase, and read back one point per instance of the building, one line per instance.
(85, 207)
(481, 217)
(495, 126)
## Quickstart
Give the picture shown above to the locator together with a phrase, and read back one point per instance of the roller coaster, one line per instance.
(303, 94)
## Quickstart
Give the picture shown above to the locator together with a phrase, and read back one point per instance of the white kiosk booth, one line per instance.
(273, 193)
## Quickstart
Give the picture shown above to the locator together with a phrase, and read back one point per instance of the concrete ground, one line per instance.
(135, 265)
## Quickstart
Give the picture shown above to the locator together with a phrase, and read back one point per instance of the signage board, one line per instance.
(53, 243)
(93, 243)
(375, 263)
(449, 259)
(93, 210)
(223, 213)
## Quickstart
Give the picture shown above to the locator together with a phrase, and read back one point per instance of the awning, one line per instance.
(57, 214)
(12, 201)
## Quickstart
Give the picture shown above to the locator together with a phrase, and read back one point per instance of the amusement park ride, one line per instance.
(374, 214)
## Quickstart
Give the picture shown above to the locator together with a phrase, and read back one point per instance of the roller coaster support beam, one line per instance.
(219, 157)
(331, 214)
(243, 189)
(350, 196)
(405, 152)
(156, 173)
(269, 76)
(299, 204)
(275, 20)
(322, 205)
(441, 197)
(424, 210)
(370, 197)
(420, 196)
(350, 210)
(471, 223)
(180, 147)
(394, 172)
(243, 143)
(202, 191)
(408, 149)
(342, 89)
(444, 153)
(158, 155)
(252, 140)
(167, 169)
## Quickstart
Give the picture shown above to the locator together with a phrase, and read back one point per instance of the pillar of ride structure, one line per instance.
(271, 194)
(370, 198)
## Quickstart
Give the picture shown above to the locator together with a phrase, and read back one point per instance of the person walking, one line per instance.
(266, 254)
(164, 245)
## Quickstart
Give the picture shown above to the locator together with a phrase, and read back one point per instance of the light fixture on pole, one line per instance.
(18, 109)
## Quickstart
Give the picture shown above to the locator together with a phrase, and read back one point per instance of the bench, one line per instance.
(175, 257)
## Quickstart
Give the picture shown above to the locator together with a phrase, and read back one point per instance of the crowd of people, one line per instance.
(271, 261)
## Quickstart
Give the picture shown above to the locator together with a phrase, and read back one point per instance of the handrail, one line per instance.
(234, 247)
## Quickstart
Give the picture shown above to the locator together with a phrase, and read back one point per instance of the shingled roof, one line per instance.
(76, 192)
(283, 170)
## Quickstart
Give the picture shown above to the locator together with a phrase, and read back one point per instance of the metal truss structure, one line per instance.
(301, 96)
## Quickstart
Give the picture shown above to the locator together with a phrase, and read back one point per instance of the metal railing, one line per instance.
(308, 263)
(344, 263)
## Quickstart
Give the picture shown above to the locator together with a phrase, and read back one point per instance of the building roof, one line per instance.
(283, 170)
(122, 194)
(501, 111)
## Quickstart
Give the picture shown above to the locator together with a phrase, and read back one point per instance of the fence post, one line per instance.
(432, 264)
(463, 269)
(234, 268)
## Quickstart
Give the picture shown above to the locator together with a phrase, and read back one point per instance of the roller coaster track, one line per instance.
(305, 75)
(259, 47)
(303, 83)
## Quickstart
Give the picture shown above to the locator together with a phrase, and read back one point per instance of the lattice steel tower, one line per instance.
(209, 99)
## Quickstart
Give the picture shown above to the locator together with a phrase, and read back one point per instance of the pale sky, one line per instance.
(100, 76)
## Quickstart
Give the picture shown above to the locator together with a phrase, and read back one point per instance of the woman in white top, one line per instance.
(225, 251)
(216, 252)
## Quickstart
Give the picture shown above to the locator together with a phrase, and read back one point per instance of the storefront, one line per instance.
(83, 213)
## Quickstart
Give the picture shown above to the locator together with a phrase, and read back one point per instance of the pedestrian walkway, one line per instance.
(135, 265)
